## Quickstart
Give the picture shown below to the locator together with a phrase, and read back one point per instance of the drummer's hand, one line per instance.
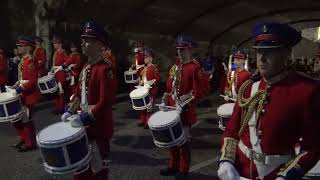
(227, 171)
(226, 98)
(84, 119)
(65, 116)
(147, 86)
(162, 107)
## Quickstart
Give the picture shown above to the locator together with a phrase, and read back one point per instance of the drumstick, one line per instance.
(170, 107)
(232, 99)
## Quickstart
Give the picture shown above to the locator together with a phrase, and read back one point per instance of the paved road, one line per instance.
(133, 154)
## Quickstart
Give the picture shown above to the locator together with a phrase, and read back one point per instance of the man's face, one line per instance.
(90, 47)
(56, 45)
(22, 50)
(271, 61)
(147, 59)
(184, 54)
(238, 62)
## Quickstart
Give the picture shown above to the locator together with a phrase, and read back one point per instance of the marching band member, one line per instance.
(183, 85)
(236, 77)
(269, 118)
(111, 60)
(28, 87)
(40, 56)
(138, 59)
(73, 65)
(207, 70)
(94, 98)
(149, 77)
(3, 71)
(59, 58)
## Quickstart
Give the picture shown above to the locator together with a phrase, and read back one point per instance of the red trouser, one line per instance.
(26, 131)
(144, 116)
(180, 158)
(104, 149)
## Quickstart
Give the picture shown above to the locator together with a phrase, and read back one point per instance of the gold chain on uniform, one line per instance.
(230, 80)
(248, 105)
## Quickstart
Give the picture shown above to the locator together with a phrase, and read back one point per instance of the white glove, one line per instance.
(280, 178)
(59, 68)
(162, 107)
(226, 98)
(147, 86)
(65, 116)
(76, 121)
(227, 171)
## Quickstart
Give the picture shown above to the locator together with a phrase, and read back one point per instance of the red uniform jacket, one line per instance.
(40, 58)
(205, 83)
(74, 58)
(151, 72)
(287, 117)
(59, 58)
(100, 95)
(240, 78)
(190, 81)
(28, 71)
(3, 70)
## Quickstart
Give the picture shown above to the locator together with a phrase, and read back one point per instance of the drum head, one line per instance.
(163, 119)
(225, 110)
(139, 93)
(6, 96)
(58, 133)
(45, 78)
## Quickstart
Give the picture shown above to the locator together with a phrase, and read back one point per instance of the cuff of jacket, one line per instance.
(19, 89)
(229, 149)
(292, 170)
(86, 118)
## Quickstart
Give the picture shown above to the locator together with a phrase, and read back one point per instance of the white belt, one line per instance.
(262, 158)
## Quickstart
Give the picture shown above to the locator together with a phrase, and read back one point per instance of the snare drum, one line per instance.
(131, 77)
(47, 84)
(140, 99)
(10, 107)
(166, 129)
(64, 149)
(224, 112)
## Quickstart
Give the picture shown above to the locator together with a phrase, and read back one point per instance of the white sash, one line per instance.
(263, 169)
(233, 86)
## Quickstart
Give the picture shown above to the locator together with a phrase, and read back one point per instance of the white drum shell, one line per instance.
(45, 80)
(5, 99)
(167, 120)
(224, 112)
(133, 75)
(71, 135)
(140, 94)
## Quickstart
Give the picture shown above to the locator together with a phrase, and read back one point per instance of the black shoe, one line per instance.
(145, 126)
(181, 176)
(25, 148)
(168, 172)
(17, 145)
(140, 124)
